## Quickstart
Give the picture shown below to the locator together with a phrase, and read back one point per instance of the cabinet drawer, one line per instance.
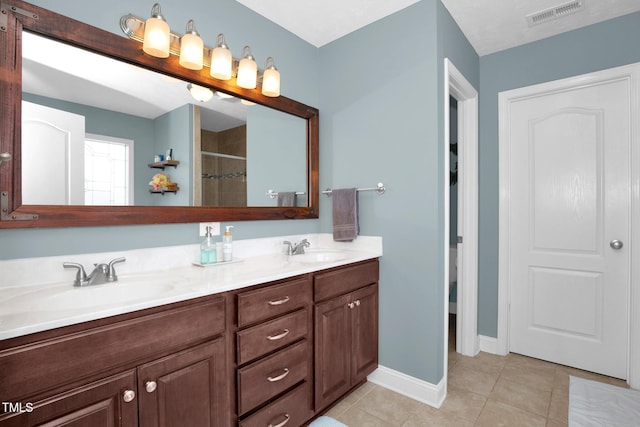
(42, 365)
(272, 375)
(271, 301)
(344, 280)
(270, 336)
(292, 409)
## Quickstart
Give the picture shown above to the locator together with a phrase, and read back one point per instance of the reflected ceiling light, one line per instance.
(191, 46)
(221, 60)
(223, 95)
(200, 93)
(247, 70)
(156, 34)
(247, 102)
(270, 79)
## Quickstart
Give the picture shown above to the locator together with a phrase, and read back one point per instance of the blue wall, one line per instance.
(600, 46)
(382, 120)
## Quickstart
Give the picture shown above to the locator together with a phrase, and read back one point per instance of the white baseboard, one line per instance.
(422, 391)
(488, 344)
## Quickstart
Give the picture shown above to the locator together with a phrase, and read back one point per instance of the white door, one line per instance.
(52, 156)
(569, 225)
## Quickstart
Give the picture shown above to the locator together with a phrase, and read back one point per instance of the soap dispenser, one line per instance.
(208, 249)
(227, 244)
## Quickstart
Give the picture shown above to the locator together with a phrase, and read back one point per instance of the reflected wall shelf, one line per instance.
(163, 164)
(164, 190)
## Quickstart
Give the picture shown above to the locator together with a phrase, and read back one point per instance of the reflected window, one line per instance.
(108, 171)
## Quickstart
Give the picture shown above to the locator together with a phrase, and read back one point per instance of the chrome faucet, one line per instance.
(298, 248)
(102, 273)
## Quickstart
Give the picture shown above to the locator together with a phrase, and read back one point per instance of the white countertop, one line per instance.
(27, 308)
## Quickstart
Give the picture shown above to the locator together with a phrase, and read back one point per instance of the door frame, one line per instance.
(458, 87)
(627, 72)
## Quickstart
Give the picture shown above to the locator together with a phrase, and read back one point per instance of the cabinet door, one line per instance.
(364, 333)
(97, 404)
(332, 350)
(188, 388)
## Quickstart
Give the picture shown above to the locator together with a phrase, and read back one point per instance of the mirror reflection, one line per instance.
(101, 132)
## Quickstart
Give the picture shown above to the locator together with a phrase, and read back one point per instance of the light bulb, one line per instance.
(191, 46)
(156, 34)
(247, 70)
(270, 79)
(221, 60)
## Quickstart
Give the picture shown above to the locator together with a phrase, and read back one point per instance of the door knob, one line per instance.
(616, 244)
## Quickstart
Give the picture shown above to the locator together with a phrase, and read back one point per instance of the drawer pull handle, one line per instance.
(286, 420)
(279, 336)
(128, 396)
(150, 386)
(279, 377)
(280, 301)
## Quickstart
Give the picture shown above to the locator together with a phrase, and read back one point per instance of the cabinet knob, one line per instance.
(286, 420)
(351, 305)
(150, 386)
(128, 395)
(279, 377)
(357, 303)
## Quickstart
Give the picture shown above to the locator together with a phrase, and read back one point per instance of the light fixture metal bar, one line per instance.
(133, 27)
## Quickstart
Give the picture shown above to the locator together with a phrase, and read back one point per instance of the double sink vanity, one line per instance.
(269, 340)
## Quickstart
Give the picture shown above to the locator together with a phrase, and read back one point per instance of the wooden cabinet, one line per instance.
(167, 367)
(346, 330)
(185, 388)
(274, 354)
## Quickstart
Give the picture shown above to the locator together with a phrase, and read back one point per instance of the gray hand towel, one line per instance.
(286, 198)
(345, 214)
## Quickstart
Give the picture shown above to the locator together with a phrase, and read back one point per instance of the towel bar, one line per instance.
(380, 189)
(273, 194)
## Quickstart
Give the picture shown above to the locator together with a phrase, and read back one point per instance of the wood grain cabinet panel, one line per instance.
(274, 300)
(346, 331)
(292, 409)
(100, 403)
(185, 389)
(271, 376)
(269, 336)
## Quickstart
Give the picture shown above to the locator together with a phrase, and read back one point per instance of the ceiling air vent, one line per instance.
(555, 12)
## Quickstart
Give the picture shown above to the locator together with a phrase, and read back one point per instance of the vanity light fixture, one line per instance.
(157, 40)
(221, 60)
(247, 70)
(200, 93)
(191, 48)
(156, 34)
(270, 79)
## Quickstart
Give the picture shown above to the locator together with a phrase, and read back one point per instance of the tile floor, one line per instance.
(485, 390)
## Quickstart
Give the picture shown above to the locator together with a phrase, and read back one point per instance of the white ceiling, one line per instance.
(490, 25)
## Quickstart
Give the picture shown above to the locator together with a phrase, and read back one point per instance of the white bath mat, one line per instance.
(592, 403)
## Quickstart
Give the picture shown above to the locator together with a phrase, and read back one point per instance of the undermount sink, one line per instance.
(313, 256)
(130, 289)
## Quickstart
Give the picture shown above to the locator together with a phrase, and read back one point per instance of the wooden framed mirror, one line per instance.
(21, 22)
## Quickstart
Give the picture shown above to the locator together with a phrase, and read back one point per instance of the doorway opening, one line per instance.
(459, 93)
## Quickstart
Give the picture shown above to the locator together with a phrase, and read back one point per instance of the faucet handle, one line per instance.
(111, 274)
(81, 275)
(289, 247)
